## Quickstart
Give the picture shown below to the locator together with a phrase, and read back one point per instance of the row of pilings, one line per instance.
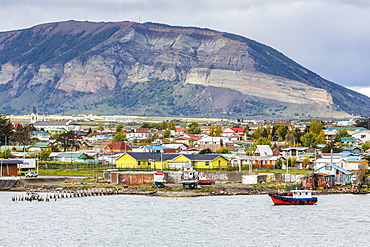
(55, 195)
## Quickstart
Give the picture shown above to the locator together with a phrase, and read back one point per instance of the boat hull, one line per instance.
(284, 200)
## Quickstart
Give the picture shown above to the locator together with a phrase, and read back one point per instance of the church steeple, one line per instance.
(34, 115)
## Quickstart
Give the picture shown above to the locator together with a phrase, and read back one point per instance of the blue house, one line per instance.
(340, 175)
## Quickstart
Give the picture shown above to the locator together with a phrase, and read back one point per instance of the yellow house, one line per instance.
(204, 161)
(159, 161)
(144, 161)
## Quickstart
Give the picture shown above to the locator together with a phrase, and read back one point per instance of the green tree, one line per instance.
(119, 128)
(194, 128)
(172, 125)
(119, 137)
(155, 126)
(223, 151)
(205, 151)
(22, 135)
(306, 162)
(167, 133)
(321, 138)
(212, 131)
(340, 133)
(316, 126)
(101, 128)
(164, 125)
(65, 140)
(145, 125)
(365, 146)
(6, 154)
(263, 141)
(258, 132)
(6, 129)
(218, 131)
(45, 153)
(331, 147)
(309, 139)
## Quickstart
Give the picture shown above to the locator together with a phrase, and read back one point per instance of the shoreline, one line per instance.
(170, 190)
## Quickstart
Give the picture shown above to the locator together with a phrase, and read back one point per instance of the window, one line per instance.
(206, 163)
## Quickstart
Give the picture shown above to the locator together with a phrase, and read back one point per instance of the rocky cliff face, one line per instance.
(153, 69)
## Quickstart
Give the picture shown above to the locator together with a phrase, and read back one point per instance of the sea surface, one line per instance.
(130, 220)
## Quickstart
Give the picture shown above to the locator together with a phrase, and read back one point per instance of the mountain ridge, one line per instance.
(83, 67)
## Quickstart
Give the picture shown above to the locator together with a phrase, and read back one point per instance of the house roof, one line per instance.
(295, 148)
(238, 130)
(151, 156)
(69, 154)
(7, 161)
(336, 167)
(348, 139)
(54, 123)
(38, 132)
(202, 157)
(119, 146)
(157, 157)
(264, 150)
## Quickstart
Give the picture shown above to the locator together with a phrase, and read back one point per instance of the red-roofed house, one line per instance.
(232, 131)
(117, 147)
(180, 130)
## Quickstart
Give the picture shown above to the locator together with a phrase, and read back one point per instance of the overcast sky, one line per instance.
(329, 37)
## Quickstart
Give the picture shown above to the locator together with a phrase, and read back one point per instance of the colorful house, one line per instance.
(9, 167)
(144, 161)
(203, 161)
(160, 161)
(341, 175)
(117, 147)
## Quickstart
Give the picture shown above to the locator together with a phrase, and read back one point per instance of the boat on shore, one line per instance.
(294, 197)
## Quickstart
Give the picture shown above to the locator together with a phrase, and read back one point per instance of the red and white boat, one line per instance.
(294, 197)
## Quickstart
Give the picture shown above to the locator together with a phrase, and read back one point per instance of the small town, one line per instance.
(183, 157)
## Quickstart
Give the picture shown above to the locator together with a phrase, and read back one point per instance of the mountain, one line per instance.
(154, 69)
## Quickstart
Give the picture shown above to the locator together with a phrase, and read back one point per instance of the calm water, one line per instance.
(120, 220)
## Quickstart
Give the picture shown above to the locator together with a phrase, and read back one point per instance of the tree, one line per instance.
(321, 138)
(306, 162)
(6, 154)
(119, 137)
(22, 135)
(65, 140)
(172, 125)
(263, 141)
(365, 146)
(194, 128)
(155, 126)
(309, 139)
(361, 174)
(167, 133)
(223, 151)
(205, 151)
(100, 128)
(215, 131)
(6, 129)
(340, 133)
(119, 128)
(45, 153)
(164, 125)
(145, 125)
(330, 147)
(316, 126)
(363, 122)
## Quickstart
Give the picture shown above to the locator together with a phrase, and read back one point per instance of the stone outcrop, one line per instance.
(70, 62)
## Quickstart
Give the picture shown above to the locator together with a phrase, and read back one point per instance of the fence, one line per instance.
(85, 166)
